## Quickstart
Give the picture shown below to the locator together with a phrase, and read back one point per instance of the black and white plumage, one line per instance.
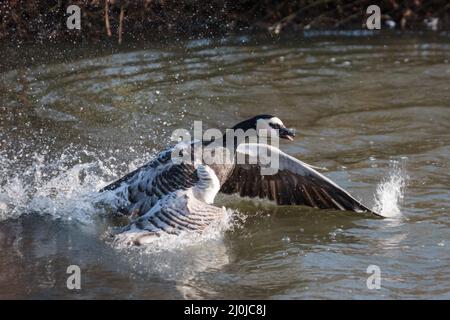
(166, 196)
(295, 183)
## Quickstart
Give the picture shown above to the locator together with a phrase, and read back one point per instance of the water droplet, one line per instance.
(286, 239)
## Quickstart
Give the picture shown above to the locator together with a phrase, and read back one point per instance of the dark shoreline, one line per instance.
(45, 21)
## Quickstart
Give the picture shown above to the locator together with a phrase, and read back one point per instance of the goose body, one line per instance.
(168, 196)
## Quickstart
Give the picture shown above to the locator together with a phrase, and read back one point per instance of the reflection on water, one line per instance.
(69, 125)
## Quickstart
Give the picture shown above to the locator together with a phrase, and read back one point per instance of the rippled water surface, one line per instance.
(374, 111)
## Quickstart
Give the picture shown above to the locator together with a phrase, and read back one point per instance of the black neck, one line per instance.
(224, 140)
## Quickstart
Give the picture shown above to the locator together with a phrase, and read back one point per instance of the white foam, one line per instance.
(390, 191)
(59, 187)
(65, 186)
(181, 258)
(167, 242)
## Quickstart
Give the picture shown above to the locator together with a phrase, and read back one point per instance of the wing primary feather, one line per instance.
(295, 182)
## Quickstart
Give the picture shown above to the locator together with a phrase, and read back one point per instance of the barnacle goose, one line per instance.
(168, 196)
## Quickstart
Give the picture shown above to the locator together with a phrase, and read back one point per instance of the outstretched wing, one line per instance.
(173, 214)
(295, 182)
(138, 191)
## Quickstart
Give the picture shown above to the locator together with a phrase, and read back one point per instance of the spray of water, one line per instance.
(168, 242)
(391, 190)
(61, 186)
(65, 186)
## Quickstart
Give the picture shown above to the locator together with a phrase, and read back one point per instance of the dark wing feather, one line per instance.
(139, 190)
(172, 214)
(295, 183)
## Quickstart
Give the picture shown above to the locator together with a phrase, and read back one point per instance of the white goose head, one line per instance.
(267, 125)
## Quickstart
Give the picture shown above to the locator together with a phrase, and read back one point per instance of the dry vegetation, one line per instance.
(44, 20)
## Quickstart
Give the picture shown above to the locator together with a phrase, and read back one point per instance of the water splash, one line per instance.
(390, 191)
(62, 186)
(179, 258)
(65, 186)
(168, 242)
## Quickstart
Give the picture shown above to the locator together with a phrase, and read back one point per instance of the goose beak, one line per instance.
(286, 133)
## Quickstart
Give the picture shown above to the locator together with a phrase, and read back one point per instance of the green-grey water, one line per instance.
(375, 111)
